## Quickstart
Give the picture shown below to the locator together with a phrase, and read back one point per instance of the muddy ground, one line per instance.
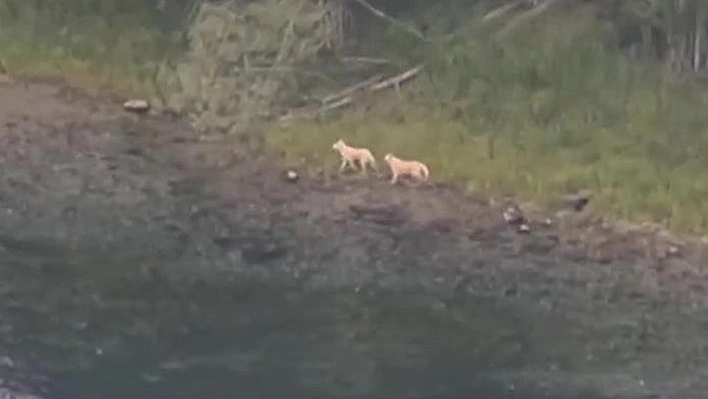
(83, 173)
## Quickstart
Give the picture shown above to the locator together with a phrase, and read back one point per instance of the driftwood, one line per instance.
(347, 96)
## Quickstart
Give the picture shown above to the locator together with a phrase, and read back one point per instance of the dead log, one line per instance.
(397, 80)
(500, 11)
(346, 96)
(337, 104)
(352, 89)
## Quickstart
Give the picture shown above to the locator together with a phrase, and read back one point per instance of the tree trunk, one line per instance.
(697, 38)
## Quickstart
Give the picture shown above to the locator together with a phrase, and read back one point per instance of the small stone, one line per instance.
(81, 325)
(673, 250)
(524, 228)
(292, 176)
(578, 200)
(136, 106)
(6, 361)
(513, 215)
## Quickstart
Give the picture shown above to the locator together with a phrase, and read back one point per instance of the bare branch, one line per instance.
(367, 60)
(392, 20)
(398, 79)
(500, 11)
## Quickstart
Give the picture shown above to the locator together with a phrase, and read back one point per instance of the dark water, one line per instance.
(109, 325)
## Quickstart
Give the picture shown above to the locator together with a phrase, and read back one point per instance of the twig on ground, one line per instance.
(367, 60)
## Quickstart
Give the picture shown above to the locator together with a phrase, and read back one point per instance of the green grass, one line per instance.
(538, 116)
(100, 54)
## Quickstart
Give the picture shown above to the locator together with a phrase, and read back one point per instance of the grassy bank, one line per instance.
(537, 116)
(106, 47)
(539, 113)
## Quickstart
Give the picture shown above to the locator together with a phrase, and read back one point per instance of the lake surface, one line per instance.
(78, 325)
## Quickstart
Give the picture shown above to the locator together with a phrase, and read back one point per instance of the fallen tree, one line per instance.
(350, 94)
